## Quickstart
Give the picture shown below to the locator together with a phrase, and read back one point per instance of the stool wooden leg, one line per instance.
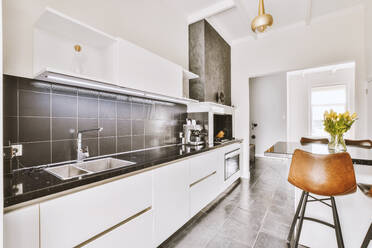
(368, 238)
(294, 221)
(299, 228)
(340, 241)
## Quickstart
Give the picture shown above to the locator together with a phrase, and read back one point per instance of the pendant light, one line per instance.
(263, 20)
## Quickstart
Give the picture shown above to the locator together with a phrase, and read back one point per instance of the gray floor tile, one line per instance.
(265, 240)
(243, 233)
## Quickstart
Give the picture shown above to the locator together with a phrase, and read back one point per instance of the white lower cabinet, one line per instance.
(141, 210)
(21, 228)
(204, 183)
(171, 199)
(202, 193)
(73, 219)
(137, 233)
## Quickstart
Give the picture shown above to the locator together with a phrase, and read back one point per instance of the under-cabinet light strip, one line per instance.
(165, 98)
(78, 82)
(84, 83)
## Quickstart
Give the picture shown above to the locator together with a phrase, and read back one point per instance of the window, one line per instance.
(322, 99)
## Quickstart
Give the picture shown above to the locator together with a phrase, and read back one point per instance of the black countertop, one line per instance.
(359, 155)
(36, 183)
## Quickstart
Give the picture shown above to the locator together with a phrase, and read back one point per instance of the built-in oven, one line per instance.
(232, 163)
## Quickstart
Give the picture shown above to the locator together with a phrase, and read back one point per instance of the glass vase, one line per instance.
(341, 146)
(332, 142)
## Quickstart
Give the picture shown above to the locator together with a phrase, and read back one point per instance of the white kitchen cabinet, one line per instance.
(137, 233)
(203, 192)
(203, 165)
(75, 218)
(204, 183)
(55, 36)
(140, 69)
(21, 228)
(171, 199)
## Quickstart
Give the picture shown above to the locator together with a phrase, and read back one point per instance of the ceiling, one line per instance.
(232, 18)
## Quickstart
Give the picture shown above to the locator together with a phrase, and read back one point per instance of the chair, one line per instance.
(316, 141)
(359, 143)
(325, 175)
(367, 190)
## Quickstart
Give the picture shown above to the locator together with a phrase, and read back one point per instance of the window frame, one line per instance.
(325, 85)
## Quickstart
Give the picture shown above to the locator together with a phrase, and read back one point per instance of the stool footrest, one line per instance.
(319, 221)
(300, 217)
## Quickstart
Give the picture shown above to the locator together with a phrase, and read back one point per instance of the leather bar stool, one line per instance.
(367, 190)
(359, 143)
(311, 140)
(324, 175)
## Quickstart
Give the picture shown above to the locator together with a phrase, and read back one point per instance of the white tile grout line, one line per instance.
(50, 123)
(99, 122)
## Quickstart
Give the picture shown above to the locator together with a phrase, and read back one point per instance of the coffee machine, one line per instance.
(193, 133)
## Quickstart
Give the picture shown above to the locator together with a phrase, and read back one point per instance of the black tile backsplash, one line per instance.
(45, 118)
(64, 105)
(34, 103)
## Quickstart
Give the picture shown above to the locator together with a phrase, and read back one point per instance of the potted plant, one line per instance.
(337, 125)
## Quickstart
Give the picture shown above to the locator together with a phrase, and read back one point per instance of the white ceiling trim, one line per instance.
(210, 11)
(220, 30)
(322, 18)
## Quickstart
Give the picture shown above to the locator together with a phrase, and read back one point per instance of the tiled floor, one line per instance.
(256, 214)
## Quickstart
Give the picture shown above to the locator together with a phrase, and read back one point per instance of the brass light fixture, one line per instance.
(263, 20)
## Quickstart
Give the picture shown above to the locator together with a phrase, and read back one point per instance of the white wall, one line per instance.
(147, 23)
(268, 108)
(368, 46)
(368, 36)
(334, 39)
(299, 86)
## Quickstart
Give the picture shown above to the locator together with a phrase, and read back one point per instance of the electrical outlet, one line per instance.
(16, 150)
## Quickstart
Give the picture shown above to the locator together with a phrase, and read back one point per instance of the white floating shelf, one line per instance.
(210, 107)
(62, 25)
(189, 75)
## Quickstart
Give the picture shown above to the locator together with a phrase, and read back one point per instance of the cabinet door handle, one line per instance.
(202, 179)
(81, 245)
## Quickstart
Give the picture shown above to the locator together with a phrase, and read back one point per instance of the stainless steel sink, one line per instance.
(103, 164)
(69, 171)
(65, 172)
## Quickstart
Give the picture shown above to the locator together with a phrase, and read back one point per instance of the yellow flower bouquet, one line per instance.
(337, 125)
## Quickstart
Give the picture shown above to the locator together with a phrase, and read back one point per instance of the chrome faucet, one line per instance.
(83, 153)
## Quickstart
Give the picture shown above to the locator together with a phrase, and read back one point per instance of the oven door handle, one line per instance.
(232, 154)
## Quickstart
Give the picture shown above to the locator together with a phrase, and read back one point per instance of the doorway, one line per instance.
(289, 105)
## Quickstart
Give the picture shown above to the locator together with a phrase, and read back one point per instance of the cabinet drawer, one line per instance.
(203, 192)
(203, 165)
(21, 228)
(72, 219)
(171, 199)
(136, 233)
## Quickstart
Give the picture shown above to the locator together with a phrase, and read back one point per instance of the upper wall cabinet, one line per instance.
(140, 69)
(67, 46)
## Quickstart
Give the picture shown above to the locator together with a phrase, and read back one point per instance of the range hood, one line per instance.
(59, 77)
